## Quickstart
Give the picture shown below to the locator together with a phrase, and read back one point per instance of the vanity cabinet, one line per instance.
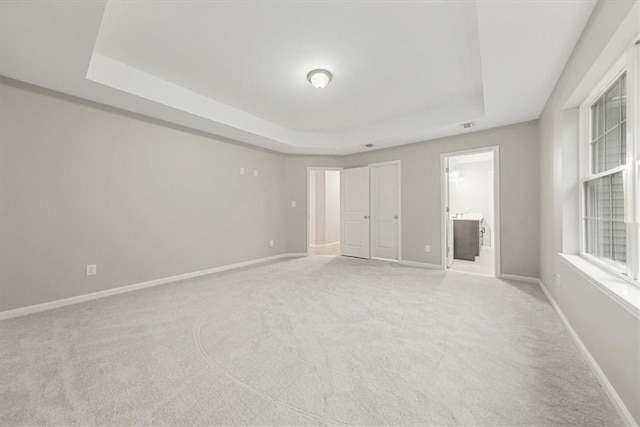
(466, 239)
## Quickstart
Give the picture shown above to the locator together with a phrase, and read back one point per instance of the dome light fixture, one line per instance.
(319, 78)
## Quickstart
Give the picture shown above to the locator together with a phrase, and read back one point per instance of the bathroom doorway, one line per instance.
(471, 212)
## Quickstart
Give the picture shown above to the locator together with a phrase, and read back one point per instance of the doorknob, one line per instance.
(366, 217)
(395, 217)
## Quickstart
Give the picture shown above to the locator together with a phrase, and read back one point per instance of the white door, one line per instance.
(447, 213)
(385, 211)
(354, 212)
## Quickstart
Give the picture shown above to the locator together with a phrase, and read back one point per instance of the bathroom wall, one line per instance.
(471, 191)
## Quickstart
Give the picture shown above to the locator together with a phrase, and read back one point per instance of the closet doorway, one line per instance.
(370, 211)
(323, 207)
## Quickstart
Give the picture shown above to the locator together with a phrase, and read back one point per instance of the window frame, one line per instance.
(627, 63)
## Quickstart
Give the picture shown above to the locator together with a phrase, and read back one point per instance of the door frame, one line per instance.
(309, 169)
(398, 163)
(495, 149)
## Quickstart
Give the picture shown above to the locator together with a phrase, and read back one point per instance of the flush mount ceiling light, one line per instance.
(319, 78)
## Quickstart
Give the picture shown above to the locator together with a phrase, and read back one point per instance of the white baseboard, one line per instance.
(517, 278)
(331, 245)
(23, 311)
(420, 264)
(293, 255)
(617, 402)
(470, 273)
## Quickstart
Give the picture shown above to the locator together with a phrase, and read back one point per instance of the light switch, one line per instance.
(255, 172)
(293, 204)
(241, 171)
(92, 270)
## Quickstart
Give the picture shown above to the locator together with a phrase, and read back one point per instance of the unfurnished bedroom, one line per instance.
(320, 213)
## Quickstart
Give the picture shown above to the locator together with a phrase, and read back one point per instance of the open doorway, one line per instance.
(323, 229)
(471, 214)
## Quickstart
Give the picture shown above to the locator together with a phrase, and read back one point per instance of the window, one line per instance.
(609, 172)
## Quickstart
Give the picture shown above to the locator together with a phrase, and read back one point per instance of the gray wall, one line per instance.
(82, 184)
(421, 192)
(86, 184)
(610, 332)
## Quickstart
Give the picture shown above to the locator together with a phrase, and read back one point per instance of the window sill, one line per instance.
(620, 290)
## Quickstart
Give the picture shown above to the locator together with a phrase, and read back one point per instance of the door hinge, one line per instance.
(446, 170)
(446, 209)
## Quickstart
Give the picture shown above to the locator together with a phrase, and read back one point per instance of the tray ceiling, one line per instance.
(402, 71)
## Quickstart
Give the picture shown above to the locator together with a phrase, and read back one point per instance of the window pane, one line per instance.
(605, 229)
(617, 210)
(613, 149)
(603, 197)
(594, 121)
(591, 230)
(617, 196)
(590, 200)
(623, 95)
(612, 106)
(598, 156)
(608, 148)
(605, 226)
(604, 239)
(620, 242)
(601, 117)
(623, 143)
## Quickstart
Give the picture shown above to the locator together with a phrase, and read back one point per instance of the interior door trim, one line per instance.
(495, 149)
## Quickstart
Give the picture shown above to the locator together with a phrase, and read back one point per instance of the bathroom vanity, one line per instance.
(466, 237)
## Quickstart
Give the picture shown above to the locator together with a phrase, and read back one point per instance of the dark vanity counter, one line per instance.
(466, 237)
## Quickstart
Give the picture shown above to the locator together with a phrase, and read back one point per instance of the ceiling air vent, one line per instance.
(467, 125)
(368, 145)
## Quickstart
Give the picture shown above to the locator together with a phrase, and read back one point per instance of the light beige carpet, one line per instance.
(483, 264)
(315, 341)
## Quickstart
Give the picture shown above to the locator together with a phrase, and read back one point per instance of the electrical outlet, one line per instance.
(255, 172)
(241, 171)
(293, 204)
(92, 270)
(271, 243)
(427, 248)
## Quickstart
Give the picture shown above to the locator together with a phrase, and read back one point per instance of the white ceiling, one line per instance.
(387, 61)
(403, 71)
